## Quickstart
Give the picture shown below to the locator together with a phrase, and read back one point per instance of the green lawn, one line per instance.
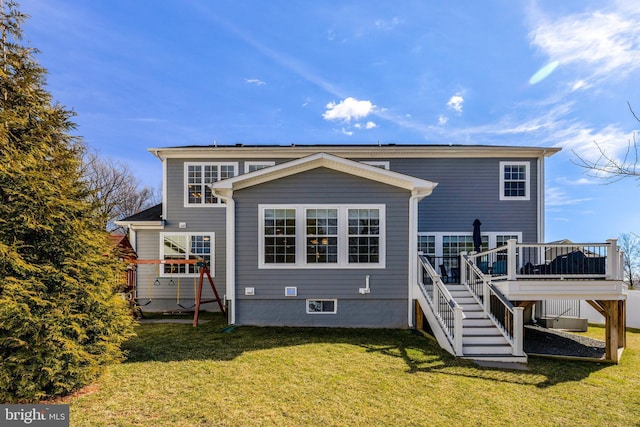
(180, 376)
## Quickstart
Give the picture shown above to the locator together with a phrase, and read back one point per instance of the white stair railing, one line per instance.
(508, 319)
(449, 314)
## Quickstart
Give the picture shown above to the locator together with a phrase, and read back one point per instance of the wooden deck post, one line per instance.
(614, 312)
(419, 317)
(612, 332)
(622, 324)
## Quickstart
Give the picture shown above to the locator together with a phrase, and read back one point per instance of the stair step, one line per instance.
(469, 306)
(485, 340)
(461, 294)
(485, 349)
(466, 300)
(474, 314)
(477, 322)
(500, 358)
(484, 332)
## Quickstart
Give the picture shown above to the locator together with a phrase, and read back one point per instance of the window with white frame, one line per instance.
(198, 176)
(322, 306)
(364, 235)
(514, 181)
(427, 245)
(186, 246)
(345, 236)
(279, 230)
(322, 236)
(254, 166)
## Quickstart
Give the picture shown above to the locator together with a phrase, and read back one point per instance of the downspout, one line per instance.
(540, 190)
(231, 260)
(416, 196)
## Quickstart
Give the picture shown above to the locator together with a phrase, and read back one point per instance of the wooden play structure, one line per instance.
(203, 271)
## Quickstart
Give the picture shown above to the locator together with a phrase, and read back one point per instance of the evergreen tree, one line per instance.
(61, 320)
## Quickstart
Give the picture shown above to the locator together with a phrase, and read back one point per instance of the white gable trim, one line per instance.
(417, 186)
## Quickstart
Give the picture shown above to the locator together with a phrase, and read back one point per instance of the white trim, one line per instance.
(230, 235)
(185, 182)
(541, 202)
(266, 164)
(335, 305)
(353, 151)
(212, 237)
(343, 237)
(378, 164)
(142, 225)
(164, 190)
(329, 161)
(527, 187)
(413, 255)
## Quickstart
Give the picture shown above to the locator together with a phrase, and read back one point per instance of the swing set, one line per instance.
(197, 288)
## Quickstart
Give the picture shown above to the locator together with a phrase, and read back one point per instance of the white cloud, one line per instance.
(382, 24)
(580, 181)
(368, 125)
(604, 43)
(556, 196)
(442, 120)
(589, 144)
(347, 132)
(455, 103)
(256, 82)
(580, 84)
(348, 109)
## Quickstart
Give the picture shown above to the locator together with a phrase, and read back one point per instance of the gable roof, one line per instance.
(149, 216)
(419, 187)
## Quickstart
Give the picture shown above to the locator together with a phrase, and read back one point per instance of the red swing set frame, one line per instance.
(204, 271)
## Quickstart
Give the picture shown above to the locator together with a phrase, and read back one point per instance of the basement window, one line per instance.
(322, 306)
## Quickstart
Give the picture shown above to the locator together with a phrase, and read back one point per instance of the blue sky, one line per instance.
(545, 73)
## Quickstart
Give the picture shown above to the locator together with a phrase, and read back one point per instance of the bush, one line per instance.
(61, 320)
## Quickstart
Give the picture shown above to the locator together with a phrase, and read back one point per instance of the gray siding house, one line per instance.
(374, 236)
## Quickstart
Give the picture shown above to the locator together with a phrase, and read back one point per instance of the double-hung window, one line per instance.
(198, 177)
(322, 236)
(514, 181)
(364, 235)
(279, 236)
(186, 246)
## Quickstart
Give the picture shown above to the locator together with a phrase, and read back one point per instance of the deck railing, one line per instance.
(552, 261)
(509, 319)
(445, 308)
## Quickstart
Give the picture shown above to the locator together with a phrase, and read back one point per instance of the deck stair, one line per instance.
(482, 340)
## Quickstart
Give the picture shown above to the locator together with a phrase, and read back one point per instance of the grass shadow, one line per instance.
(181, 342)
